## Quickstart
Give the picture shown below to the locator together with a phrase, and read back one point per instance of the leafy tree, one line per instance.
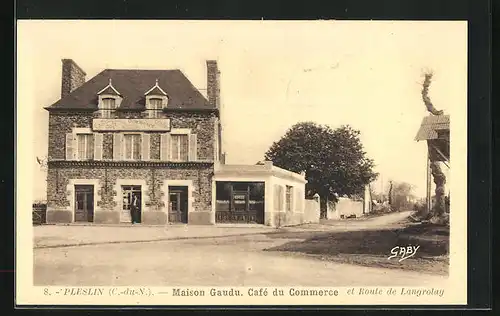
(334, 160)
(402, 196)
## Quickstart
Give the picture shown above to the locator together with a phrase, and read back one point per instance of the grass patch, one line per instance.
(371, 248)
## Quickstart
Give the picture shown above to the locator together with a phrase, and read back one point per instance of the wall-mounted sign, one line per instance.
(129, 125)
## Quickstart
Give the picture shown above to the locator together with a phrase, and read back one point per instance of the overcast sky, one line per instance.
(273, 75)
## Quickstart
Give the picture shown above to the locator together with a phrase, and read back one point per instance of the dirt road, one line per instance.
(230, 261)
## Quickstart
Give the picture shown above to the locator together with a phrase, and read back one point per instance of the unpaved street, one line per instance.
(232, 261)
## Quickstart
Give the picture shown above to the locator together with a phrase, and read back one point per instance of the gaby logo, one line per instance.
(403, 252)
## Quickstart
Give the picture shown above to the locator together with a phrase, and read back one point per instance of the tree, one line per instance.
(333, 160)
(402, 196)
(439, 206)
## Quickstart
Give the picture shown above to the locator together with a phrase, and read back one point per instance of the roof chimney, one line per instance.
(213, 83)
(72, 77)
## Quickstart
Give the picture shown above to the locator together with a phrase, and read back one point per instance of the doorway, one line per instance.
(84, 203)
(129, 192)
(178, 204)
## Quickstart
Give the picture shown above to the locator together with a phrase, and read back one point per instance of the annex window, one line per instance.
(132, 146)
(179, 147)
(289, 198)
(85, 146)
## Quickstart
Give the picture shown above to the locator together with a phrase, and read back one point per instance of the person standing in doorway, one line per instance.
(133, 208)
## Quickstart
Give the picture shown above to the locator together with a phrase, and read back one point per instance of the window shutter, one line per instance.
(98, 146)
(145, 146)
(70, 146)
(165, 147)
(117, 146)
(193, 150)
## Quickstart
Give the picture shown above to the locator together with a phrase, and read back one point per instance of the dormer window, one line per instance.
(109, 100)
(108, 105)
(156, 100)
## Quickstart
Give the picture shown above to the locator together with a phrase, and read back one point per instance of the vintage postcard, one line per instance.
(241, 162)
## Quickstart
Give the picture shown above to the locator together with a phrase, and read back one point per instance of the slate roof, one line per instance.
(430, 125)
(132, 84)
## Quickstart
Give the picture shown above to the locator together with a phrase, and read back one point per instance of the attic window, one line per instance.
(156, 100)
(109, 100)
(108, 105)
(156, 103)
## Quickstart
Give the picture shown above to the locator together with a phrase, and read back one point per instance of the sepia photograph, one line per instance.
(241, 162)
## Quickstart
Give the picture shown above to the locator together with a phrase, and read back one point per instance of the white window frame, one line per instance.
(179, 133)
(87, 150)
(124, 146)
(152, 112)
(106, 113)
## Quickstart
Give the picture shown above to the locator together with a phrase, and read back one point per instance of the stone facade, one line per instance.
(108, 172)
(106, 208)
(200, 123)
(95, 170)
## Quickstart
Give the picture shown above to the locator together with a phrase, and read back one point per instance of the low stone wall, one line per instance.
(347, 207)
(331, 211)
(311, 212)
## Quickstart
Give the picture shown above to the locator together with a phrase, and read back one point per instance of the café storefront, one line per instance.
(240, 202)
(257, 194)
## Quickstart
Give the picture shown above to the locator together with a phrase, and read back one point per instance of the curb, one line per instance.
(147, 240)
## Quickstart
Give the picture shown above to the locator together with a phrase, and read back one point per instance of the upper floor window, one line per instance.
(108, 104)
(85, 146)
(179, 147)
(155, 106)
(109, 100)
(132, 148)
(156, 100)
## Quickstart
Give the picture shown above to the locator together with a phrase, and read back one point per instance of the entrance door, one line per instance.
(240, 206)
(178, 206)
(84, 203)
(129, 191)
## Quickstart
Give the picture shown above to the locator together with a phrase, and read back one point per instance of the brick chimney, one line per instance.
(72, 77)
(213, 83)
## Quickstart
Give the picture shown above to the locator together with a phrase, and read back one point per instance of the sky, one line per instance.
(273, 75)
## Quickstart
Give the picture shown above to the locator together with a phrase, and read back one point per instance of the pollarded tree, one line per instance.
(334, 160)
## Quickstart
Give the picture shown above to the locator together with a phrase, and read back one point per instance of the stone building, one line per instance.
(151, 135)
(125, 133)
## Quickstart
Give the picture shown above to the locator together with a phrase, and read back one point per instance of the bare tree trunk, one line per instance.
(439, 207)
(323, 208)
